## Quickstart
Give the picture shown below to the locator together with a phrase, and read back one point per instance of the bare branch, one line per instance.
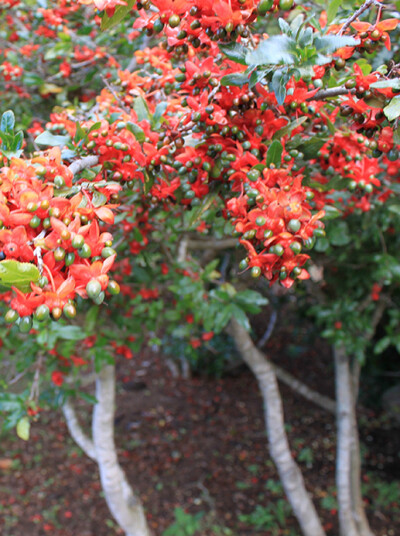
(331, 92)
(366, 5)
(77, 434)
(214, 245)
(83, 163)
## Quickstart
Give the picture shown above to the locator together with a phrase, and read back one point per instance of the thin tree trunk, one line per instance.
(345, 443)
(124, 505)
(289, 472)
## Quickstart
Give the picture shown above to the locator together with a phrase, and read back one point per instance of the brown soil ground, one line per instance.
(200, 445)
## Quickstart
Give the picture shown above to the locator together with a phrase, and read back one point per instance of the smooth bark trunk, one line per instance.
(124, 505)
(289, 472)
(352, 518)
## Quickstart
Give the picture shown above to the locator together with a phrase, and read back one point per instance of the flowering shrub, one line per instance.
(264, 127)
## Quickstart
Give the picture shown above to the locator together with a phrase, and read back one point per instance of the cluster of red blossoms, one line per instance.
(51, 220)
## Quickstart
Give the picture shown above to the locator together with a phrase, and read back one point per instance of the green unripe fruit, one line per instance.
(296, 271)
(69, 258)
(243, 264)
(255, 272)
(59, 254)
(277, 250)
(59, 181)
(43, 281)
(158, 26)
(294, 225)
(85, 252)
(392, 155)
(69, 310)
(11, 316)
(25, 324)
(78, 241)
(174, 21)
(113, 287)
(296, 247)
(56, 313)
(100, 298)
(319, 233)
(35, 222)
(260, 221)
(264, 6)
(285, 5)
(253, 175)
(93, 288)
(268, 233)
(42, 313)
(310, 242)
(107, 252)
(283, 274)
(46, 223)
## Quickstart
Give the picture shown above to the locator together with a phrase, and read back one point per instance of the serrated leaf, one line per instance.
(274, 154)
(392, 110)
(235, 52)
(136, 131)
(271, 51)
(235, 79)
(119, 14)
(7, 122)
(18, 274)
(333, 7)
(23, 427)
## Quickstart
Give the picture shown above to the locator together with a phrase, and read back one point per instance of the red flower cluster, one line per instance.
(43, 222)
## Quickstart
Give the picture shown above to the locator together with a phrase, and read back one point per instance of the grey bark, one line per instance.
(124, 505)
(289, 471)
(77, 434)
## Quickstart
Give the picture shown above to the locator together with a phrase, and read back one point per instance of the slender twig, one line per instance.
(331, 92)
(115, 95)
(268, 332)
(34, 394)
(359, 12)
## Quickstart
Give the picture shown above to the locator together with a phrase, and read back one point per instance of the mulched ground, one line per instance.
(198, 444)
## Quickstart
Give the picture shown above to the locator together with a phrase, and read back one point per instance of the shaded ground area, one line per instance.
(199, 445)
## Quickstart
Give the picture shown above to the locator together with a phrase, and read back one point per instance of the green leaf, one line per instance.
(339, 234)
(392, 110)
(119, 14)
(330, 43)
(205, 204)
(333, 7)
(257, 76)
(331, 213)
(18, 274)
(98, 199)
(141, 109)
(48, 139)
(279, 134)
(222, 318)
(235, 79)
(149, 179)
(394, 83)
(158, 113)
(272, 51)
(23, 427)
(395, 209)
(7, 122)
(311, 147)
(240, 316)
(274, 154)
(18, 140)
(235, 52)
(278, 85)
(67, 333)
(136, 131)
(381, 345)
